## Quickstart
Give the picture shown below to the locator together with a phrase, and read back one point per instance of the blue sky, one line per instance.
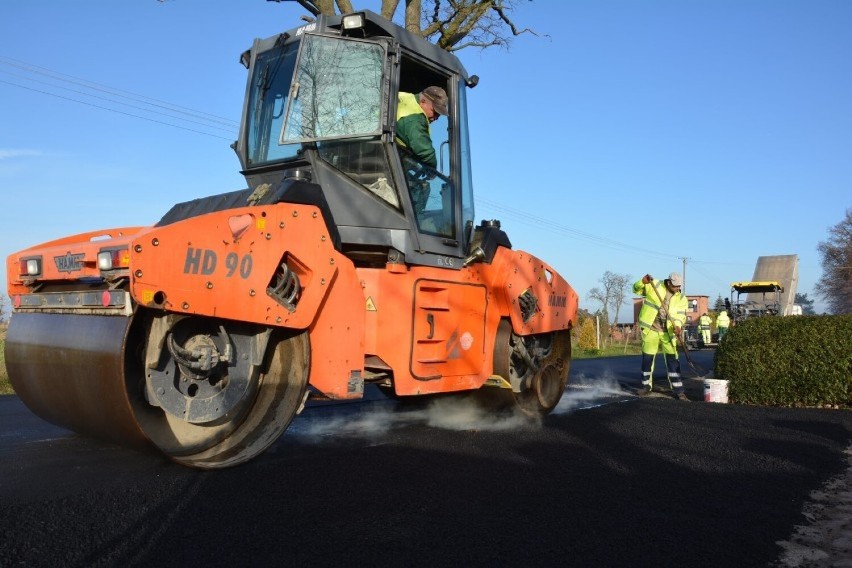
(627, 136)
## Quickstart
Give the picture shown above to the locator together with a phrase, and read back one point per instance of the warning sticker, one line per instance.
(371, 306)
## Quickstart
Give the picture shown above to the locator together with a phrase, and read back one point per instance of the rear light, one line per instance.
(112, 259)
(31, 266)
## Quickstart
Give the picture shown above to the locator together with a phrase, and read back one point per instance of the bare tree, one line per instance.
(835, 286)
(598, 295)
(619, 283)
(450, 24)
(612, 295)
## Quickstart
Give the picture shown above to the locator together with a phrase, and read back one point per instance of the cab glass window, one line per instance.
(336, 92)
(432, 196)
(268, 92)
(365, 163)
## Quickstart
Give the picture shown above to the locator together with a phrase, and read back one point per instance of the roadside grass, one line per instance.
(5, 385)
(614, 350)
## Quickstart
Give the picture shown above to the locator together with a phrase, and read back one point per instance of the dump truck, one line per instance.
(344, 263)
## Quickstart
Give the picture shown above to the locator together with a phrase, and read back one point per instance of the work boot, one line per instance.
(643, 391)
(682, 396)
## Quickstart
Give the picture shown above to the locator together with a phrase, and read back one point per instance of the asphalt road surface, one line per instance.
(608, 479)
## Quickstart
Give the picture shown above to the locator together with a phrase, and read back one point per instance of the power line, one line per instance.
(707, 275)
(85, 83)
(540, 222)
(546, 223)
(107, 100)
(151, 109)
(116, 111)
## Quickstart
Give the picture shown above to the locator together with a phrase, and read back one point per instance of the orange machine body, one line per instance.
(436, 327)
(433, 328)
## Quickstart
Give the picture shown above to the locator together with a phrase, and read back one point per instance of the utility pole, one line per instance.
(597, 332)
(683, 288)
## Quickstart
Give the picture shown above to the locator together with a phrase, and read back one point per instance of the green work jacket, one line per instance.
(722, 320)
(650, 316)
(412, 129)
(705, 321)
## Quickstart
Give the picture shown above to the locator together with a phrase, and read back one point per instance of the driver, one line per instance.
(413, 115)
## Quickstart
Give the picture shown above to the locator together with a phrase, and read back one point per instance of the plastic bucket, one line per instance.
(715, 390)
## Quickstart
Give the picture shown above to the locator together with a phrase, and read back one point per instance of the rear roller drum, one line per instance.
(536, 366)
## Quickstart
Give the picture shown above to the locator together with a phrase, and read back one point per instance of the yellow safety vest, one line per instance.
(408, 105)
(650, 311)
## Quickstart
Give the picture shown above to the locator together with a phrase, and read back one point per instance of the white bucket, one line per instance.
(715, 390)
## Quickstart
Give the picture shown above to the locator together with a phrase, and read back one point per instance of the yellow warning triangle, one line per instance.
(371, 307)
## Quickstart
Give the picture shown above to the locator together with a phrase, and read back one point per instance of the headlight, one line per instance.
(30, 266)
(353, 21)
(113, 258)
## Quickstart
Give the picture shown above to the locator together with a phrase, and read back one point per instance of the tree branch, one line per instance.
(450, 24)
(412, 16)
(498, 7)
(345, 6)
(389, 8)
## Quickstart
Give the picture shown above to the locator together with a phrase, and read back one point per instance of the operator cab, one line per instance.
(319, 125)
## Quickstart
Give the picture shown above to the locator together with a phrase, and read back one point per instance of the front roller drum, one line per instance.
(87, 373)
(69, 370)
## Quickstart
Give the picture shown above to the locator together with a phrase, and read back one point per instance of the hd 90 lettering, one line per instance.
(205, 261)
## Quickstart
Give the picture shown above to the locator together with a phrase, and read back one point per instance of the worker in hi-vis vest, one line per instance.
(723, 322)
(704, 323)
(661, 320)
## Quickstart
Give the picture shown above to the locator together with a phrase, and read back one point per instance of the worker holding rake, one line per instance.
(661, 320)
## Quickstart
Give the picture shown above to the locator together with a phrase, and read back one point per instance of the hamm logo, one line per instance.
(69, 262)
(557, 301)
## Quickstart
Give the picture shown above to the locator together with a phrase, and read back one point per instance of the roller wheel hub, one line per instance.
(197, 379)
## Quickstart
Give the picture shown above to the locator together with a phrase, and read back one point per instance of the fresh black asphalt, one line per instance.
(629, 482)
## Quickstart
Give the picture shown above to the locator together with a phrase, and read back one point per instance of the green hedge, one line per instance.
(788, 361)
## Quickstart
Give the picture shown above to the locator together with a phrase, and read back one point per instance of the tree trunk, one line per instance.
(412, 16)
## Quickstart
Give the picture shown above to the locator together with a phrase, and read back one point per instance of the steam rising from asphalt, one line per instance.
(589, 392)
(460, 413)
